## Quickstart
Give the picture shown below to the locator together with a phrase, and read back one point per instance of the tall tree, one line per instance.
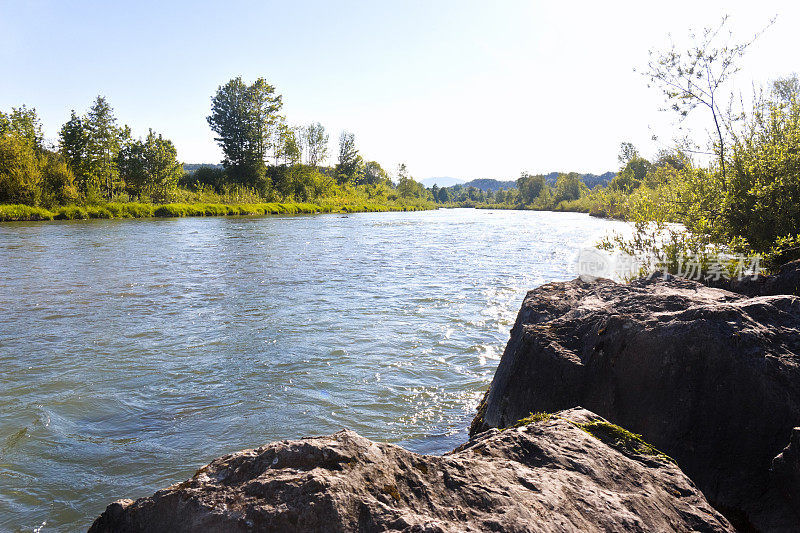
(285, 147)
(315, 140)
(695, 77)
(103, 143)
(406, 186)
(530, 187)
(150, 168)
(264, 107)
(20, 174)
(374, 173)
(230, 120)
(569, 187)
(627, 151)
(348, 157)
(73, 143)
(242, 116)
(163, 168)
(25, 124)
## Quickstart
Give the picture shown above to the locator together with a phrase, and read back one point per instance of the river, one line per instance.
(132, 352)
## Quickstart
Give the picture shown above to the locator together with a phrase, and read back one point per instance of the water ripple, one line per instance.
(134, 351)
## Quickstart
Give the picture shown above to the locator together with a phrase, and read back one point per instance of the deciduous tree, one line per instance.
(348, 157)
(243, 117)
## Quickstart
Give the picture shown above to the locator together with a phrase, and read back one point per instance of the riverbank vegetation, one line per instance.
(98, 169)
(739, 194)
(20, 212)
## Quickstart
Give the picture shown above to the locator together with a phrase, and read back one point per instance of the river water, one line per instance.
(132, 352)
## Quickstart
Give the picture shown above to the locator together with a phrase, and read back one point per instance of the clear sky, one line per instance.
(452, 88)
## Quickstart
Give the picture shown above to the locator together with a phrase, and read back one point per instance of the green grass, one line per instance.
(611, 434)
(16, 212)
(216, 210)
(130, 210)
(139, 210)
(71, 212)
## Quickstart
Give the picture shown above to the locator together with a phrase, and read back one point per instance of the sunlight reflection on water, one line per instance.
(134, 351)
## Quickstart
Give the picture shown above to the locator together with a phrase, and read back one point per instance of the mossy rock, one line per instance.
(531, 419)
(622, 439)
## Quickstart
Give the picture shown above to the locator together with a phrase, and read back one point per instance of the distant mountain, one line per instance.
(444, 181)
(490, 184)
(591, 180)
(191, 167)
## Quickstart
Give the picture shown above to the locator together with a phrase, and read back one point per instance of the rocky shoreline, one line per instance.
(705, 382)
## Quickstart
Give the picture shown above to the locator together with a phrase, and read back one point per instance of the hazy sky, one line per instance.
(456, 88)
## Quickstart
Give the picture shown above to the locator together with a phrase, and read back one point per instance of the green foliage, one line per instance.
(569, 187)
(348, 158)
(531, 419)
(100, 169)
(29, 173)
(130, 210)
(761, 201)
(285, 144)
(408, 188)
(90, 146)
(103, 139)
(694, 77)
(23, 123)
(753, 209)
(17, 212)
(205, 176)
(313, 140)
(71, 212)
(98, 211)
(374, 174)
(632, 174)
(58, 181)
(243, 117)
(151, 168)
(531, 187)
(73, 141)
(20, 172)
(785, 90)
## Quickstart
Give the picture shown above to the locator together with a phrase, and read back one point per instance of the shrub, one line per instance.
(20, 175)
(71, 212)
(23, 212)
(170, 210)
(99, 211)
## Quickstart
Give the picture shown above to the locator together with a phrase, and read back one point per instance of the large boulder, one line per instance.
(569, 472)
(786, 280)
(710, 377)
(786, 470)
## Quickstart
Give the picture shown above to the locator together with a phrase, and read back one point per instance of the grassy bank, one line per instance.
(581, 205)
(19, 212)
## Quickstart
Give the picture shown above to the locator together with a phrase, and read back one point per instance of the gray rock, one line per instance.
(785, 281)
(549, 475)
(710, 377)
(786, 470)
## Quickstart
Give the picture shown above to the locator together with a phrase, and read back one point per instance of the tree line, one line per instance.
(95, 159)
(737, 195)
(262, 152)
(530, 192)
